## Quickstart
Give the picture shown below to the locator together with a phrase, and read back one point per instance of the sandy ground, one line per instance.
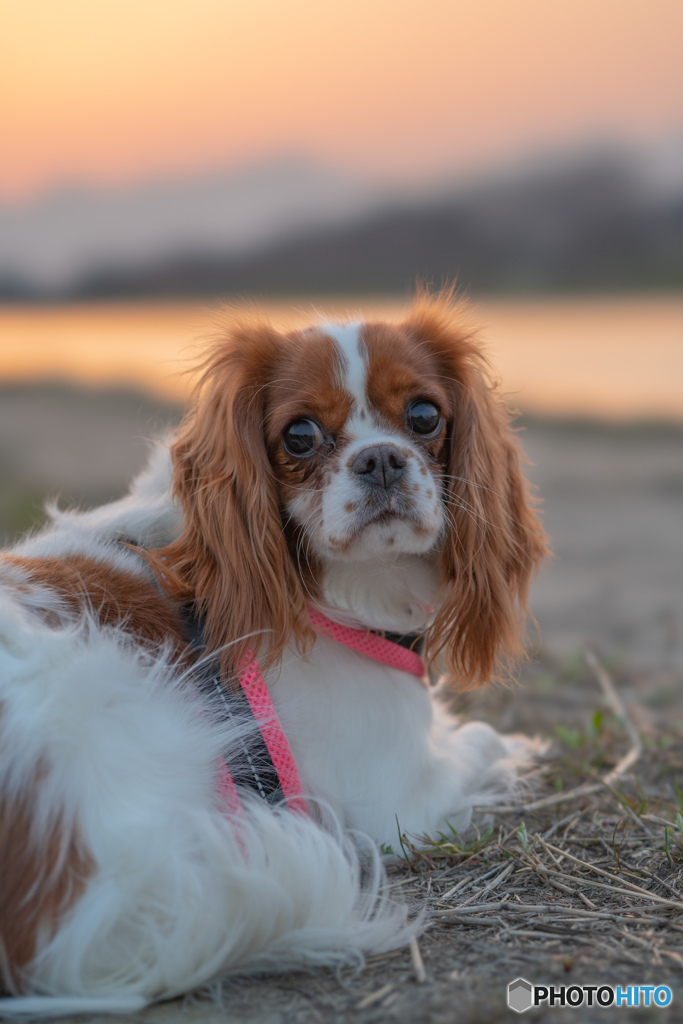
(613, 500)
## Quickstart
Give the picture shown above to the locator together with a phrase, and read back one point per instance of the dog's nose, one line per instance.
(381, 465)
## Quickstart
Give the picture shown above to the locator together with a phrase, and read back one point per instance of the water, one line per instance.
(601, 357)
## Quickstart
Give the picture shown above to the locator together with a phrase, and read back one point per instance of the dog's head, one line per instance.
(357, 444)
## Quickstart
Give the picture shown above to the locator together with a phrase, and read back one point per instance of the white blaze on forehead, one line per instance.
(354, 360)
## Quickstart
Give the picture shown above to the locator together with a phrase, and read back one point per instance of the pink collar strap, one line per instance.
(372, 645)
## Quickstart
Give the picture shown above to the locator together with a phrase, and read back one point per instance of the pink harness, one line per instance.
(256, 693)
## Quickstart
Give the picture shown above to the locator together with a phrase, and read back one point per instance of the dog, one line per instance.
(214, 703)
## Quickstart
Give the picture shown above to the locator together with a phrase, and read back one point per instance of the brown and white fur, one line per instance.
(122, 879)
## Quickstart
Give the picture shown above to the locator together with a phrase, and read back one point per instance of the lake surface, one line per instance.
(600, 357)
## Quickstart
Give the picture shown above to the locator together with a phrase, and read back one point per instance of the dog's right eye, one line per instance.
(303, 438)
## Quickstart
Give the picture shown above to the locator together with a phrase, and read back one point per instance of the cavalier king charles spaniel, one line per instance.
(217, 694)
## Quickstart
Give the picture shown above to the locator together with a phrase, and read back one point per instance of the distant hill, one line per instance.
(595, 224)
(51, 242)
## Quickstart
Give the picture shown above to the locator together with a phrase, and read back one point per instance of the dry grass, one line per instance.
(580, 885)
(603, 878)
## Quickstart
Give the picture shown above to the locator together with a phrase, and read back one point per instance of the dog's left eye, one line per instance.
(424, 418)
(303, 438)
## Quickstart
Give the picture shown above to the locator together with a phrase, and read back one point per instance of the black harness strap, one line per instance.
(411, 641)
(254, 769)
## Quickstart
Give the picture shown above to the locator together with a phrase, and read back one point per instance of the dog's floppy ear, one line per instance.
(232, 555)
(494, 539)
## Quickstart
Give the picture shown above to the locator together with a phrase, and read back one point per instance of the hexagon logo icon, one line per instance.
(520, 995)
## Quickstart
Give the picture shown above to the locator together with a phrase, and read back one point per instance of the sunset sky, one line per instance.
(116, 91)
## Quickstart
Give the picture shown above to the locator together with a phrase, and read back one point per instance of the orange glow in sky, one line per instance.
(109, 91)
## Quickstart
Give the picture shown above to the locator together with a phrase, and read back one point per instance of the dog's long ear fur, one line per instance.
(232, 556)
(495, 540)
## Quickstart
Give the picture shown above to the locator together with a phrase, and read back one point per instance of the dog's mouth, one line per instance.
(396, 510)
(385, 508)
(403, 518)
